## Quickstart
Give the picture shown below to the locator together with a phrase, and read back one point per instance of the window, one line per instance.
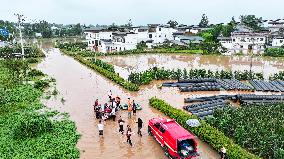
(109, 35)
(89, 42)
(165, 36)
(162, 130)
(281, 41)
(159, 35)
(160, 29)
(93, 42)
(150, 36)
(234, 40)
(157, 125)
(261, 39)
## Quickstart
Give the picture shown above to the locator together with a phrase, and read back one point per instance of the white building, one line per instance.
(104, 40)
(158, 34)
(3, 43)
(275, 26)
(278, 41)
(243, 42)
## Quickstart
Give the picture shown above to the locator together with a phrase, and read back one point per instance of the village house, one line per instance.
(243, 40)
(278, 42)
(105, 40)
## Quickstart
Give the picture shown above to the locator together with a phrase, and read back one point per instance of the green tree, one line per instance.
(10, 27)
(172, 23)
(141, 45)
(233, 21)
(227, 30)
(204, 21)
(208, 37)
(251, 21)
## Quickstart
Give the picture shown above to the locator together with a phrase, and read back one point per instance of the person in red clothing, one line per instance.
(117, 100)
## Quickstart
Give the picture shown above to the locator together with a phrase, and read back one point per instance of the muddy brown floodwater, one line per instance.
(80, 86)
(124, 65)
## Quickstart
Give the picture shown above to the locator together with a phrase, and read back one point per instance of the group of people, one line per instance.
(104, 111)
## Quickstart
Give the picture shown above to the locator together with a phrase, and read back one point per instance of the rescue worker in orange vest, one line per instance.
(129, 103)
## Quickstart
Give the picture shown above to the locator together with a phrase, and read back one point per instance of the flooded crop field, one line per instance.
(124, 65)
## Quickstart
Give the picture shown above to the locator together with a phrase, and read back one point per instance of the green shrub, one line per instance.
(35, 73)
(25, 129)
(32, 60)
(275, 52)
(279, 153)
(104, 65)
(279, 76)
(77, 46)
(41, 84)
(108, 74)
(32, 125)
(205, 132)
(30, 51)
(143, 78)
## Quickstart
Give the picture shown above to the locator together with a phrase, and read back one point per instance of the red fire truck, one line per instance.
(177, 142)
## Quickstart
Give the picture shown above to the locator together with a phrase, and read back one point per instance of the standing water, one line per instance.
(124, 65)
(80, 87)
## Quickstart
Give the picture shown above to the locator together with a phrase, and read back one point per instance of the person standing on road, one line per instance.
(120, 124)
(134, 108)
(223, 153)
(98, 113)
(96, 104)
(128, 135)
(101, 128)
(117, 100)
(109, 95)
(113, 114)
(129, 108)
(140, 124)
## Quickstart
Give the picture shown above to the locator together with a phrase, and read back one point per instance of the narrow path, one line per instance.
(80, 87)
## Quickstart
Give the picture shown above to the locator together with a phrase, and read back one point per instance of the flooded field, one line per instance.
(124, 65)
(80, 86)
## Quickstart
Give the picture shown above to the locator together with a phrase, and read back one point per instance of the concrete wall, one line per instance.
(277, 42)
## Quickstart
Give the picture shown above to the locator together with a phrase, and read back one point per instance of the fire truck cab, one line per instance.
(177, 142)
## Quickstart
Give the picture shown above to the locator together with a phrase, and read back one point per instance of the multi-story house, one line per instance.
(104, 40)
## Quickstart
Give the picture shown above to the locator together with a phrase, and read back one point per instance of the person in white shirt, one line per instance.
(101, 128)
(109, 95)
(113, 114)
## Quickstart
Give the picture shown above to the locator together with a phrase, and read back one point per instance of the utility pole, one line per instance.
(21, 19)
(251, 56)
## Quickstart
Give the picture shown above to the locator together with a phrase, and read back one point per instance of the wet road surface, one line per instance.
(80, 86)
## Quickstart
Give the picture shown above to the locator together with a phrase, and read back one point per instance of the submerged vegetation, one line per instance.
(147, 76)
(27, 128)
